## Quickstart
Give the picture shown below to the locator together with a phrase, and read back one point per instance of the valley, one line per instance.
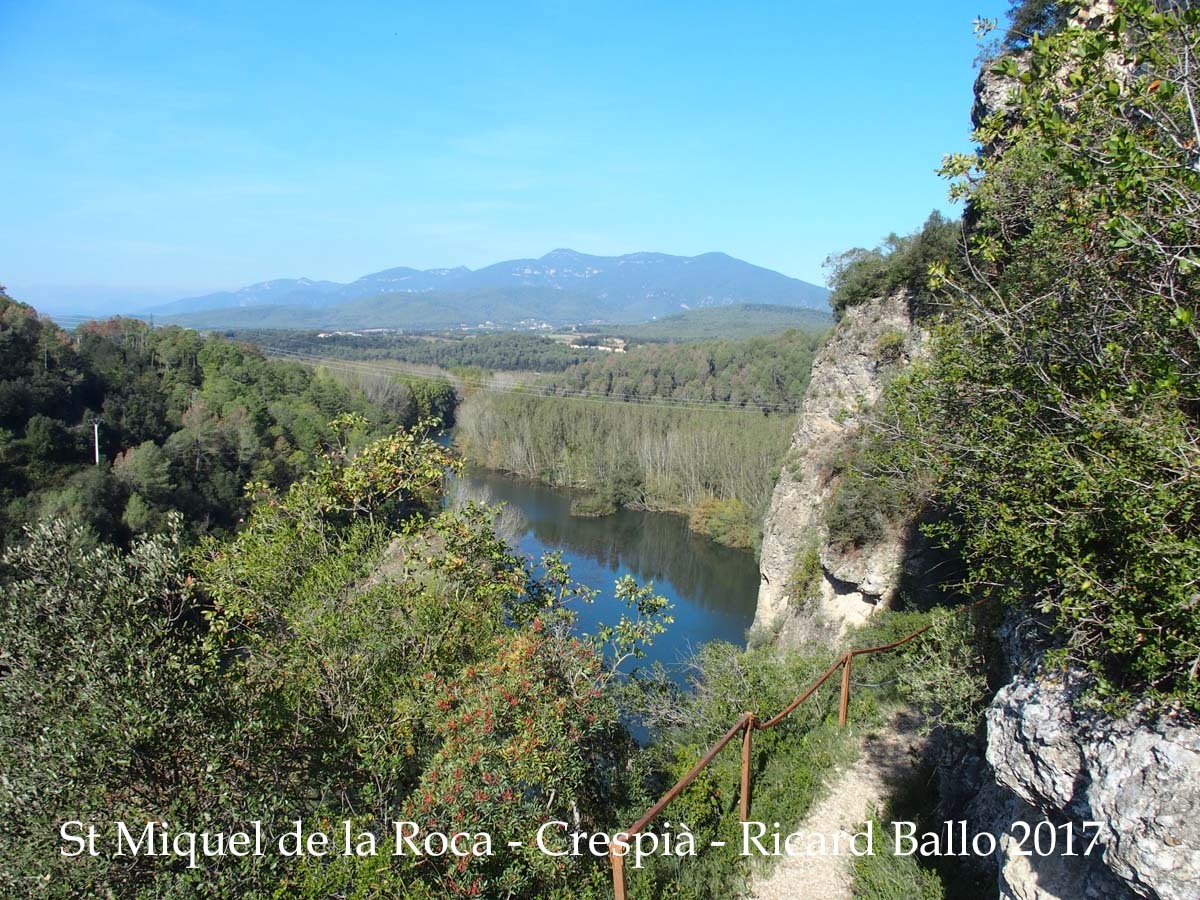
(667, 550)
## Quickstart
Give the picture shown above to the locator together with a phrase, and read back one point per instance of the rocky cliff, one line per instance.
(811, 587)
(1137, 776)
(1046, 755)
(1049, 757)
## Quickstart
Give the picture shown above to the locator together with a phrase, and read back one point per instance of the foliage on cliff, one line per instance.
(1041, 17)
(899, 263)
(1058, 420)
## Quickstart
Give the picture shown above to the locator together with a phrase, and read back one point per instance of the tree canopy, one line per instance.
(185, 422)
(1057, 421)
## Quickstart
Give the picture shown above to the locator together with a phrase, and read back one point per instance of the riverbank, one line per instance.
(714, 467)
(713, 587)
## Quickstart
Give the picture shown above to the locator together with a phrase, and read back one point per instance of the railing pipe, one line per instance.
(687, 779)
(618, 873)
(844, 701)
(747, 736)
(617, 858)
(791, 707)
(748, 724)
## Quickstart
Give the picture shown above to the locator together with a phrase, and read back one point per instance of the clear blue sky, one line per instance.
(172, 148)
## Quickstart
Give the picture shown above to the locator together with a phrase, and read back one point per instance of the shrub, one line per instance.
(1027, 17)
(944, 672)
(888, 347)
(862, 508)
(592, 506)
(727, 522)
(806, 573)
(1058, 417)
(899, 263)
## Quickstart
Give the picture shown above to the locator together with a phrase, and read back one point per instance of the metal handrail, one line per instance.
(747, 724)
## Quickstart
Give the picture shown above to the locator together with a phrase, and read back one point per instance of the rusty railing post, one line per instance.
(618, 873)
(844, 705)
(746, 736)
(747, 724)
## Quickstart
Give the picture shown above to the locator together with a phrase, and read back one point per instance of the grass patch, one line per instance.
(885, 876)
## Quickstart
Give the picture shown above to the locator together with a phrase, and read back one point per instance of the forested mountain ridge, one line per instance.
(734, 321)
(184, 423)
(561, 286)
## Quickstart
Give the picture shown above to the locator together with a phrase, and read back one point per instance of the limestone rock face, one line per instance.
(1139, 777)
(847, 379)
(994, 92)
(1056, 877)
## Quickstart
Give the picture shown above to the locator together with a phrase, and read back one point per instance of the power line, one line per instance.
(577, 394)
(542, 391)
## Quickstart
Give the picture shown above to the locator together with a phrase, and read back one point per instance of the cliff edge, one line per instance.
(813, 586)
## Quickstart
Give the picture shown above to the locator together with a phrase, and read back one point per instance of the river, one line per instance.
(713, 588)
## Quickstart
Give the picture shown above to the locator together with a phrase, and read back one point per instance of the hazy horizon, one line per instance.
(97, 300)
(163, 153)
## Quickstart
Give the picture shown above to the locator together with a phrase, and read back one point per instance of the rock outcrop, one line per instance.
(1051, 757)
(848, 375)
(1137, 775)
(1048, 755)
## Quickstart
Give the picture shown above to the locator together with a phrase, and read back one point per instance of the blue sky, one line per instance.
(155, 150)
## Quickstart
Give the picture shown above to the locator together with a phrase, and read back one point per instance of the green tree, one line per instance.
(104, 691)
(1057, 420)
(1041, 17)
(899, 263)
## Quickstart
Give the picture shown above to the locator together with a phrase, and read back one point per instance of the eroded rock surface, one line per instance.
(848, 376)
(1138, 776)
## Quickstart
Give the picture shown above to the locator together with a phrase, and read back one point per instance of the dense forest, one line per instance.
(184, 423)
(504, 351)
(717, 465)
(739, 320)
(760, 372)
(697, 428)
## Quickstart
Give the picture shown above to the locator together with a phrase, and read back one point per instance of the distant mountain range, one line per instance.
(563, 286)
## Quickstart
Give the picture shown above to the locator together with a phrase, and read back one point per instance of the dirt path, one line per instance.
(887, 755)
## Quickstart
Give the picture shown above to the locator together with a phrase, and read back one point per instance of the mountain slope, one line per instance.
(734, 321)
(562, 286)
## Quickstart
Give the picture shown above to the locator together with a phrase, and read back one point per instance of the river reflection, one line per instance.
(712, 587)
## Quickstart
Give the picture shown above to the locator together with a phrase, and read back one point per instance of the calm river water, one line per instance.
(712, 587)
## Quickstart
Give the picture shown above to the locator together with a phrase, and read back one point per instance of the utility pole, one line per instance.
(96, 423)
